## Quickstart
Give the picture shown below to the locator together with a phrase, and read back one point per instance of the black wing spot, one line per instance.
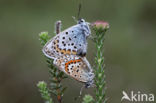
(72, 44)
(72, 31)
(75, 75)
(79, 44)
(68, 44)
(75, 37)
(77, 70)
(75, 47)
(64, 44)
(69, 38)
(66, 32)
(63, 37)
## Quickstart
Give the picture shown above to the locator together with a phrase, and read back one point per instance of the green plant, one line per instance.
(100, 27)
(88, 99)
(44, 92)
(56, 76)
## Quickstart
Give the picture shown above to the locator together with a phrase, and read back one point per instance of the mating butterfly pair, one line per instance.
(68, 49)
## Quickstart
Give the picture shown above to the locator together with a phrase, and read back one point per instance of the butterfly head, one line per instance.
(90, 83)
(85, 27)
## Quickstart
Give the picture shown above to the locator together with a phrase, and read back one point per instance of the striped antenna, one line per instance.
(79, 10)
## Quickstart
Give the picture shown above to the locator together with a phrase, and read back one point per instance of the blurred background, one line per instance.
(130, 46)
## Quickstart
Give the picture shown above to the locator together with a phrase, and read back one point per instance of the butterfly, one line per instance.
(70, 41)
(68, 49)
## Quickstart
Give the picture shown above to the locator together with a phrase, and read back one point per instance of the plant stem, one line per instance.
(100, 80)
(56, 76)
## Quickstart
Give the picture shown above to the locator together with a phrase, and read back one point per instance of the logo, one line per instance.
(137, 97)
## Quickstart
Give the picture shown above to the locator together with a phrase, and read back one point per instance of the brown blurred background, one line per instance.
(130, 46)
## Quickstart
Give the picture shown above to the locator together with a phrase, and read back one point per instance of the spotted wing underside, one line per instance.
(71, 41)
(75, 66)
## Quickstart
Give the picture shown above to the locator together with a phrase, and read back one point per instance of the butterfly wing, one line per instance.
(75, 67)
(71, 41)
(50, 49)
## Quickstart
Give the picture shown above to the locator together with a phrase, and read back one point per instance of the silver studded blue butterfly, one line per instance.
(70, 41)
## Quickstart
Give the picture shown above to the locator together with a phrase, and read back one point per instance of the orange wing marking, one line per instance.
(71, 61)
(63, 51)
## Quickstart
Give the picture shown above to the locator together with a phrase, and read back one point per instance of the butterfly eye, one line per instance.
(81, 21)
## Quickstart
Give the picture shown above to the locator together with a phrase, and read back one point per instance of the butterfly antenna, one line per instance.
(79, 11)
(81, 90)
